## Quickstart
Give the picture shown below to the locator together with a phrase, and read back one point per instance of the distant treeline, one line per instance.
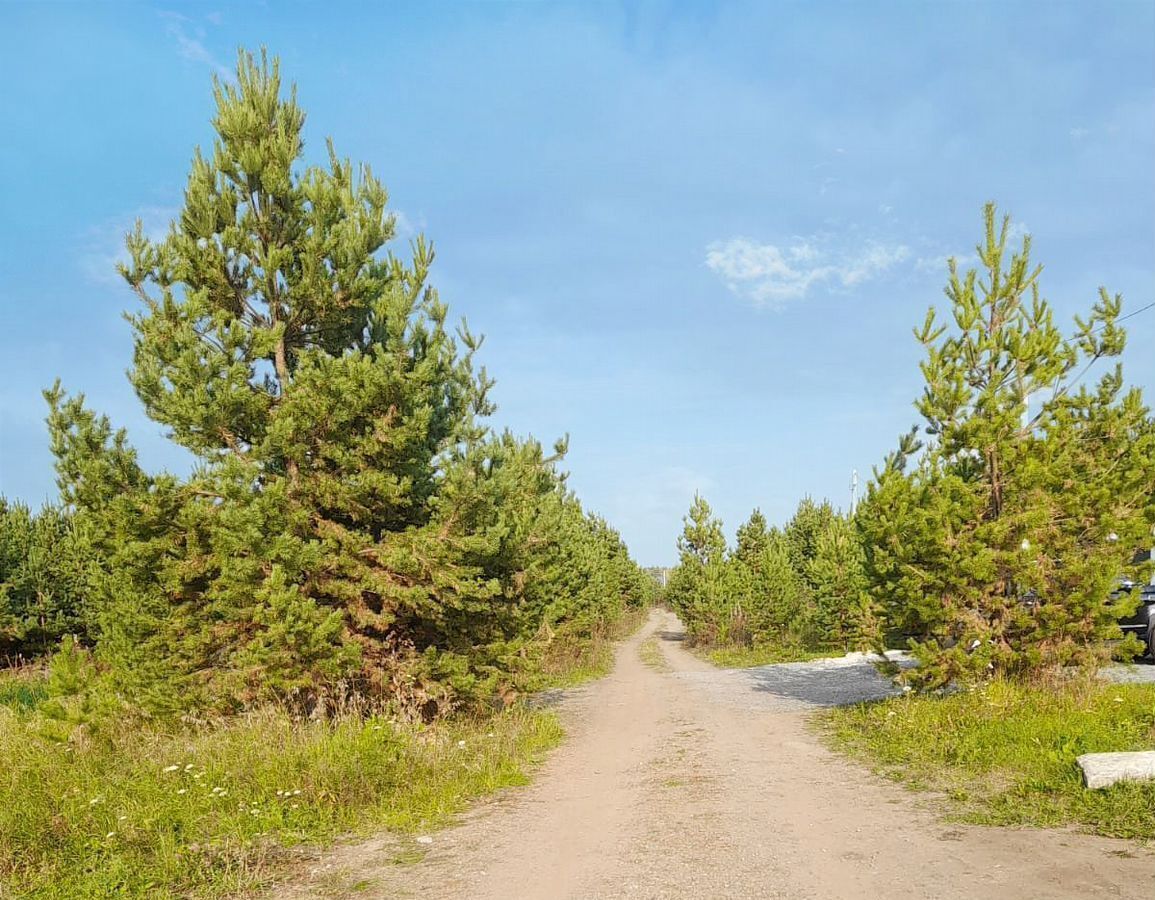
(800, 587)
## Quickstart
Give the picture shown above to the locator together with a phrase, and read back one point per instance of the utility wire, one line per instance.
(1129, 315)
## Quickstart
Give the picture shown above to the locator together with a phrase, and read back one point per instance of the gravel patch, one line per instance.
(1139, 673)
(840, 681)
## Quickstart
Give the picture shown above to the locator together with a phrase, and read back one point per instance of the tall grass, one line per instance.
(211, 810)
(739, 657)
(572, 659)
(1005, 754)
(22, 687)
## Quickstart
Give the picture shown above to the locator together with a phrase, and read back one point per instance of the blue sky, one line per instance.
(696, 235)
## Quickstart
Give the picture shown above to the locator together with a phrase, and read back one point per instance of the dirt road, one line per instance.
(678, 780)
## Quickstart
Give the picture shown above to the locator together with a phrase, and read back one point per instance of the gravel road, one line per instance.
(686, 781)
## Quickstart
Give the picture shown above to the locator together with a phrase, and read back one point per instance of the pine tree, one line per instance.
(779, 597)
(998, 550)
(351, 519)
(43, 568)
(810, 520)
(752, 539)
(843, 612)
(700, 588)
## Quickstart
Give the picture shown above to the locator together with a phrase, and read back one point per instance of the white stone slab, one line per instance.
(1102, 770)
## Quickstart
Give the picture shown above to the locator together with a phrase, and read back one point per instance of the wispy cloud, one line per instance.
(403, 226)
(936, 263)
(102, 246)
(190, 38)
(769, 275)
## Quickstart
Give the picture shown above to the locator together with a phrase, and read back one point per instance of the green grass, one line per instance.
(210, 811)
(652, 656)
(1004, 754)
(760, 655)
(22, 689)
(216, 809)
(570, 661)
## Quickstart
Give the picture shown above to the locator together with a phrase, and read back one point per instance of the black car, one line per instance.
(1142, 623)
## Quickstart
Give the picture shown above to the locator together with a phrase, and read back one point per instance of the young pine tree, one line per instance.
(43, 569)
(844, 616)
(752, 539)
(999, 549)
(699, 589)
(346, 517)
(810, 520)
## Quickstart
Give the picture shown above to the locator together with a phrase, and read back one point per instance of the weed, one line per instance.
(652, 655)
(1004, 754)
(758, 655)
(211, 810)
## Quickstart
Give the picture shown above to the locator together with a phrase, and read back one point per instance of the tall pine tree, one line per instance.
(350, 519)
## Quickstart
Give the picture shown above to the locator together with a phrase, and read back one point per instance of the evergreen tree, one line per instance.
(700, 587)
(752, 539)
(803, 530)
(351, 519)
(780, 596)
(43, 569)
(998, 550)
(702, 540)
(843, 612)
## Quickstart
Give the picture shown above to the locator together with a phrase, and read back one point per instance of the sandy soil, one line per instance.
(680, 780)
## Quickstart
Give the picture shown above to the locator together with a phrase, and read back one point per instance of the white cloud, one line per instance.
(873, 260)
(190, 42)
(103, 245)
(935, 264)
(403, 226)
(770, 276)
(1016, 232)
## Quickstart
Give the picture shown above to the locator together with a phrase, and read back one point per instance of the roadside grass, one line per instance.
(1004, 754)
(758, 655)
(652, 656)
(22, 688)
(570, 661)
(216, 809)
(212, 810)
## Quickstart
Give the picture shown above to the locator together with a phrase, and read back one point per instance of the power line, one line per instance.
(1126, 317)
